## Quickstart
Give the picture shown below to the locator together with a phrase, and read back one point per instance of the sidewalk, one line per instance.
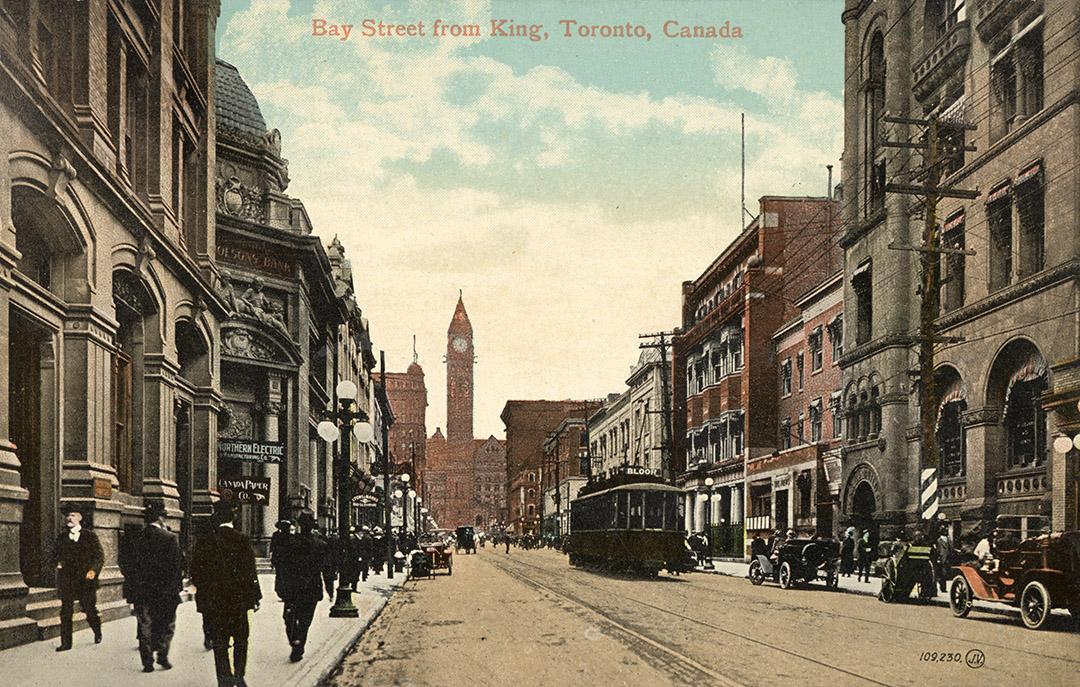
(115, 662)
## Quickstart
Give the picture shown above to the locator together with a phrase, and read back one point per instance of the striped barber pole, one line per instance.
(929, 491)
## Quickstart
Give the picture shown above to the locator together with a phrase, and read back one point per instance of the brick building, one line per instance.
(528, 424)
(408, 435)
(795, 486)
(1011, 386)
(464, 476)
(725, 406)
(564, 471)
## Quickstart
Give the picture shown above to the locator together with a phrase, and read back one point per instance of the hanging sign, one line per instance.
(251, 451)
(254, 490)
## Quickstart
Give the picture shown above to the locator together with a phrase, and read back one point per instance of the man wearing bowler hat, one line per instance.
(156, 581)
(79, 558)
(227, 587)
(302, 564)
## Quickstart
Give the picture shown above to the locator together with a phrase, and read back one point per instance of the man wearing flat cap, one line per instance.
(227, 587)
(79, 557)
(156, 580)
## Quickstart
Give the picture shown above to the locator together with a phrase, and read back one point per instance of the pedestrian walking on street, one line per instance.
(330, 567)
(78, 557)
(279, 540)
(156, 580)
(506, 540)
(865, 551)
(847, 553)
(942, 558)
(302, 563)
(227, 587)
(378, 550)
(364, 551)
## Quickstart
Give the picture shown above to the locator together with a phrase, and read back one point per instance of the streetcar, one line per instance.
(630, 524)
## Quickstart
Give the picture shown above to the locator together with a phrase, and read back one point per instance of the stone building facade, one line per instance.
(796, 485)
(725, 372)
(1010, 386)
(293, 328)
(110, 385)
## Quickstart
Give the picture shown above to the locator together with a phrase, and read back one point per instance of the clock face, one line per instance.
(459, 344)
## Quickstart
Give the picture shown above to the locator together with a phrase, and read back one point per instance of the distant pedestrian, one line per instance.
(758, 547)
(847, 553)
(78, 556)
(866, 550)
(942, 558)
(378, 550)
(301, 564)
(506, 540)
(365, 550)
(156, 580)
(227, 586)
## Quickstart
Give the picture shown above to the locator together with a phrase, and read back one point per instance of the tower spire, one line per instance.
(415, 357)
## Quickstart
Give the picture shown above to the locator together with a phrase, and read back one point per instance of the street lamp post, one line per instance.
(405, 503)
(357, 423)
(423, 517)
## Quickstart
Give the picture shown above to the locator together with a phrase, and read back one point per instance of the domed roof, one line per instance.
(236, 106)
(415, 369)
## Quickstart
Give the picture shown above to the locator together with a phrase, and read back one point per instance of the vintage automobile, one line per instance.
(909, 567)
(885, 551)
(799, 560)
(439, 556)
(1038, 575)
(465, 538)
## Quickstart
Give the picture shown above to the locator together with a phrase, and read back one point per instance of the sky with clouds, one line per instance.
(567, 186)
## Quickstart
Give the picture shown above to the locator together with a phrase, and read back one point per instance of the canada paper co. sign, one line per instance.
(253, 490)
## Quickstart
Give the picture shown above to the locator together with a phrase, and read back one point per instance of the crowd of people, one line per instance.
(222, 568)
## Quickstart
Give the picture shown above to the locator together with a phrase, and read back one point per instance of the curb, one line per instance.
(326, 673)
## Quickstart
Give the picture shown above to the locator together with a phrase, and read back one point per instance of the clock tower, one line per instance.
(459, 376)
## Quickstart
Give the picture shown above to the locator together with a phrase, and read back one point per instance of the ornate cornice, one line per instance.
(893, 340)
(862, 228)
(981, 416)
(1066, 270)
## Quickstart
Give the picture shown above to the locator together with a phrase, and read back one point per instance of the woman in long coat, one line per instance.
(847, 553)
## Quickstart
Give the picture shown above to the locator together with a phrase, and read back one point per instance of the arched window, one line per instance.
(1025, 423)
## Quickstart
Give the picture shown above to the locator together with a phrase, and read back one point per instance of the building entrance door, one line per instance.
(782, 509)
(29, 352)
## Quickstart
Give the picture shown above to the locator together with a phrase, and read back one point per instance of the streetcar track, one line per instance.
(697, 621)
(827, 613)
(675, 654)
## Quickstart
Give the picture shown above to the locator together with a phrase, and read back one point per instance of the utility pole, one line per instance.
(938, 143)
(661, 341)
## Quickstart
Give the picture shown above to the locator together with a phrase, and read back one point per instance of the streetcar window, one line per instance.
(671, 512)
(654, 510)
(637, 510)
(622, 499)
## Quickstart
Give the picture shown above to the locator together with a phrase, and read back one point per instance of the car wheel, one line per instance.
(1035, 605)
(960, 597)
(887, 592)
(786, 579)
(756, 574)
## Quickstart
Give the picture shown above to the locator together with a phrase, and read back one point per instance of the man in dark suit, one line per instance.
(79, 558)
(227, 586)
(302, 589)
(156, 581)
